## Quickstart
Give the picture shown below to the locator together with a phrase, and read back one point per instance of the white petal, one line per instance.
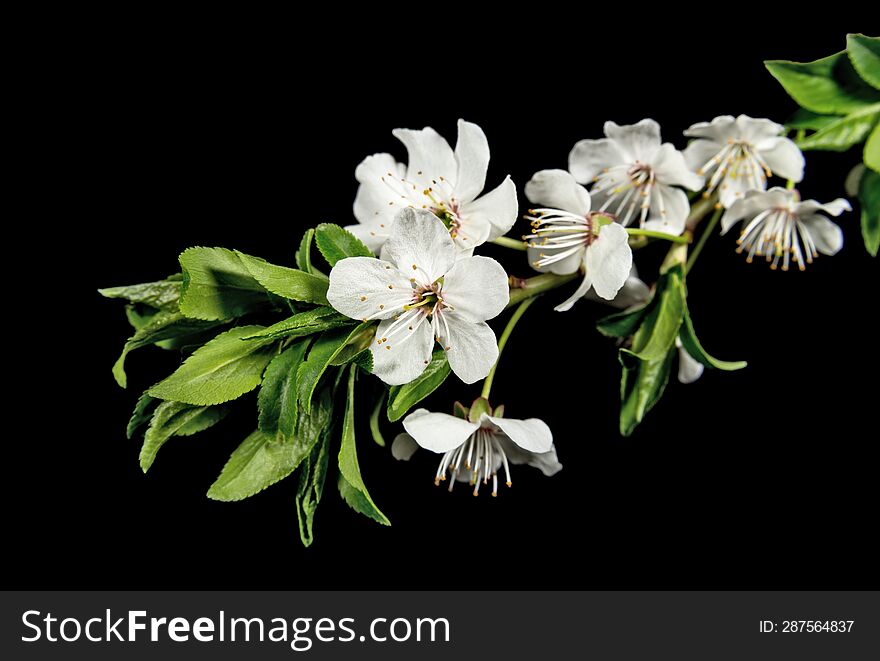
(405, 355)
(472, 155)
(372, 234)
(835, 208)
(735, 188)
(718, 130)
(360, 285)
(378, 200)
(676, 207)
(564, 266)
(579, 293)
(609, 260)
(438, 432)
(403, 447)
(671, 169)
(497, 210)
(827, 236)
(634, 292)
(699, 152)
(637, 142)
(689, 369)
(471, 348)
(429, 156)
(532, 435)
(557, 189)
(783, 157)
(476, 288)
(546, 462)
(420, 240)
(753, 203)
(373, 168)
(589, 157)
(755, 131)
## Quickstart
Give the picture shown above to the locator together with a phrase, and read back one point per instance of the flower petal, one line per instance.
(579, 293)
(669, 210)
(783, 157)
(755, 131)
(637, 142)
(421, 243)
(699, 153)
(546, 462)
(718, 130)
(671, 169)
(471, 348)
(609, 260)
(557, 189)
(368, 288)
(438, 432)
(378, 197)
(497, 209)
(753, 203)
(589, 157)
(372, 234)
(532, 435)
(403, 447)
(476, 288)
(689, 369)
(827, 236)
(472, 155)
(834, 208)
(404, 355)
(430, 156)
(376, 166)
(634, 292)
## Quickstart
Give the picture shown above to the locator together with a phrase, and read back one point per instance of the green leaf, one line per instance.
(402, 398)
(805, 119)
(304, 252)
(321, 355)
(176, 419)
(661, 324)
(161, 326)
(162, 294)
(872, 150)
(375, 430)
(641, 386)
(264, 459)
(312, 474)
(692, 345)
(622, 324)
(336, 243)
(826, 86)
(143, 411)
(845, 132)
(277, 402)
(864, 53)
(351, 485)
(217, 285)
(286, 282)
(222, 370)
(304, 323)
(869, 198)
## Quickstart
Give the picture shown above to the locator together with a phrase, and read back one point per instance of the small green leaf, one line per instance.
(286, 282)
(872, 150)
(304, 323)
(222, 370)
(375, 430)
(402, 398)
(176, 419)
(143, 411)
(864, 53)
(692, 345)
(304, 252)
(277, 402)
(216, 285)
(351, 485)
(622, 324)
(264, 459)
(869, 198)
(642, 384)
(659, 329)
(336, 243)
(845, 132)
(805, 119)
(160, 327)
(321, 356)
(312, 474)
(162, 294)
(826, 86)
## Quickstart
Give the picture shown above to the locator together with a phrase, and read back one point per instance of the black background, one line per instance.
(165, 138)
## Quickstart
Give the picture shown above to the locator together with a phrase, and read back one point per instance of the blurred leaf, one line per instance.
(864, 53)
(869, 198)
(845, 132)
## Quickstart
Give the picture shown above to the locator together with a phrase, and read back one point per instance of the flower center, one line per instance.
(561, 233)
(628, 190)
(778, 235)
(477, 460)
(738, 159)
(426, 306)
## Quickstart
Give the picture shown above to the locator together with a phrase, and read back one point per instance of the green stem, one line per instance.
(699, 211)
(789, 185)
(513, 244)
(634, 231)
(517, 315)
(704, 237)
(521, 290)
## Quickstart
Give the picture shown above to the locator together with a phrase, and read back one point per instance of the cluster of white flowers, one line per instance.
(424, 219)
